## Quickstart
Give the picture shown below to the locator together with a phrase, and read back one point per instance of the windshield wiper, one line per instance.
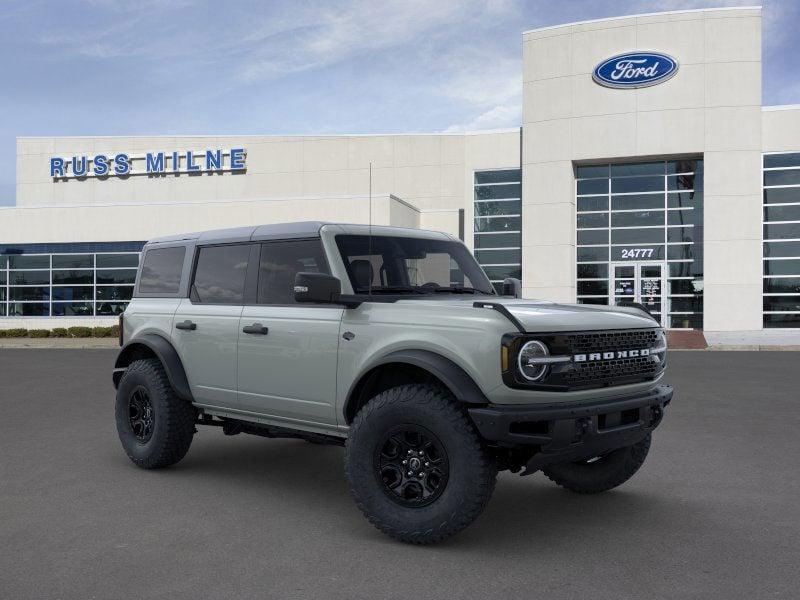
(458, 290)
(392, 289)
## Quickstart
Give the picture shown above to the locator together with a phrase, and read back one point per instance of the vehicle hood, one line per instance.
(544, 316)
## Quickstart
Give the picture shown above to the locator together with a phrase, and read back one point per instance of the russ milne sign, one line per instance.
(151, 163)
(635, 70)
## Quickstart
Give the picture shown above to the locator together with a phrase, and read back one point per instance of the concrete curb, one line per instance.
(55, 343)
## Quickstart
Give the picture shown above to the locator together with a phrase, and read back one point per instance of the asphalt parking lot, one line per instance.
(714, 512)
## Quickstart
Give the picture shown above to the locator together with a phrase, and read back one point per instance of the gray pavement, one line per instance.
(714, 512)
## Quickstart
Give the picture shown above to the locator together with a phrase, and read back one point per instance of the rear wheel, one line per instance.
(415, 465)
(600, 473)
(154, 425)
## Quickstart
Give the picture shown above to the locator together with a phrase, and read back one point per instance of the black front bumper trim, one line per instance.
(574, 431)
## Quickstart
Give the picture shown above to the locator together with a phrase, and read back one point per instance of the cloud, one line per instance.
(497, 117)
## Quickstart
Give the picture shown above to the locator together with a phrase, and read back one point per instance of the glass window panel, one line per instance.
(684, 286)
(592, 254)
(120, 276)
(683, 182)
(680, 252)
(781, 249)
(788, 177)
(637, 202)
(2, 277)
(29, 293)
(782, 160)
(603, 301)
(782, 267)
(637, 184)
(73, 309)
(686, 321)
(593, 220)
(592, 271)
(651, 168)
(110, 308)
(782, 195)
(503, 272)
(596, 203)
(680, 234)
(117, 260)
(788, 320)
(83, 292)
(26, 261)
(28, 309)
(694, 304)
(2, 294)
(73, 277)
(782, 213)
(3, 261)
(498, 257)
(592, 186)
(592, 236)
(498, 224)
(2, 310)
(637, 219)
(782, 303)
(593, 288)
(282, 261)
(637, 236)
(782, 231)
(29, 277)
(642, 252)
(73, 261)
(591, 171)
(684, 166)
(684, 217)
(497, 208)
(493, 192)
(685, 269)
(685, 199)
(220, 272)
(161, 271)
(624, 271)
(782, 285)
(116, 292)
(500, 176)
(498, 240)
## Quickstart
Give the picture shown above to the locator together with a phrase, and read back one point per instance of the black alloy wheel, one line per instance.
(140, 414)
(411, 465)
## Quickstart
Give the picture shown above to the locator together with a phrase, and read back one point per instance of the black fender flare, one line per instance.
(452, 376)
(166, 354)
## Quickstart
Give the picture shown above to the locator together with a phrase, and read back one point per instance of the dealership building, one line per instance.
(645, 169)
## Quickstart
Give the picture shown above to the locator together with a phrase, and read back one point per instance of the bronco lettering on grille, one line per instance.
(611, 355)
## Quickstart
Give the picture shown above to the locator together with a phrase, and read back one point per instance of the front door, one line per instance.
(640, 282)
(288, 351)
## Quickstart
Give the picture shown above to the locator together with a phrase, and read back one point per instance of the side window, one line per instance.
(161, 270)
(220, 273)
(280, 262)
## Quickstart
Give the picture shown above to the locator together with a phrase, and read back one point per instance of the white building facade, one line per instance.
(645, 169)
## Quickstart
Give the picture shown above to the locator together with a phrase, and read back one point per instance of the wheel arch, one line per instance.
(151, 345)
(411, 366)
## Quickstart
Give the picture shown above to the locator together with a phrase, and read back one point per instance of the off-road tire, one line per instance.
(605, 473)
(173, 419)
(472, 471)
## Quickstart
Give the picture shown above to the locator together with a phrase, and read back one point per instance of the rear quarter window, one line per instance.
(161, 270)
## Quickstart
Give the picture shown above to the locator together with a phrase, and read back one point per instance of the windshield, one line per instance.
(408, 265)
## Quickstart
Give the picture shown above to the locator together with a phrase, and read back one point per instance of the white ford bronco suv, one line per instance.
(393, 343)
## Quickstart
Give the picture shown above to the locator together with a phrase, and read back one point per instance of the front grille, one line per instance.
(605, 371)
(604, 341)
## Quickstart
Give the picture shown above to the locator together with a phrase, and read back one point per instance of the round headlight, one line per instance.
(526, 360)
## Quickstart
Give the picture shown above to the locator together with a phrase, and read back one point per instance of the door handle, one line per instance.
(256, 328)
(186, 325)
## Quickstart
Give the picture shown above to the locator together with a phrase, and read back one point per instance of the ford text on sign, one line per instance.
(635, 70)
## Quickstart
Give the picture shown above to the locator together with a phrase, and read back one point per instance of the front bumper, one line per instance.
(558, 433)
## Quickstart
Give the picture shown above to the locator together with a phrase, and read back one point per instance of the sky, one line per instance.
(161, 67)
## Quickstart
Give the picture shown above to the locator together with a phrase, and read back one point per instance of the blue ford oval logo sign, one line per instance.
(635, 70)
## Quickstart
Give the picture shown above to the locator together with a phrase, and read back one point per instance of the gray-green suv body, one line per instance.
(394, 343)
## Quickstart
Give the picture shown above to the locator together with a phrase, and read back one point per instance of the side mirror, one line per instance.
(512, 287)
(317, 287)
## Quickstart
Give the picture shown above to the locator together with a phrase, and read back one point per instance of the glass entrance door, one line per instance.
(639, 282)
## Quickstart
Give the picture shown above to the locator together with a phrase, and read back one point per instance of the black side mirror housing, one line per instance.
(512, 287)
(320, 288)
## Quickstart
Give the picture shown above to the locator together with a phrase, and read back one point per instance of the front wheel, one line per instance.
(415, 465)
(600, 473)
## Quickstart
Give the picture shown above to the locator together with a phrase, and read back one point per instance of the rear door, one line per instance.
(288, 351)
(206, 325)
